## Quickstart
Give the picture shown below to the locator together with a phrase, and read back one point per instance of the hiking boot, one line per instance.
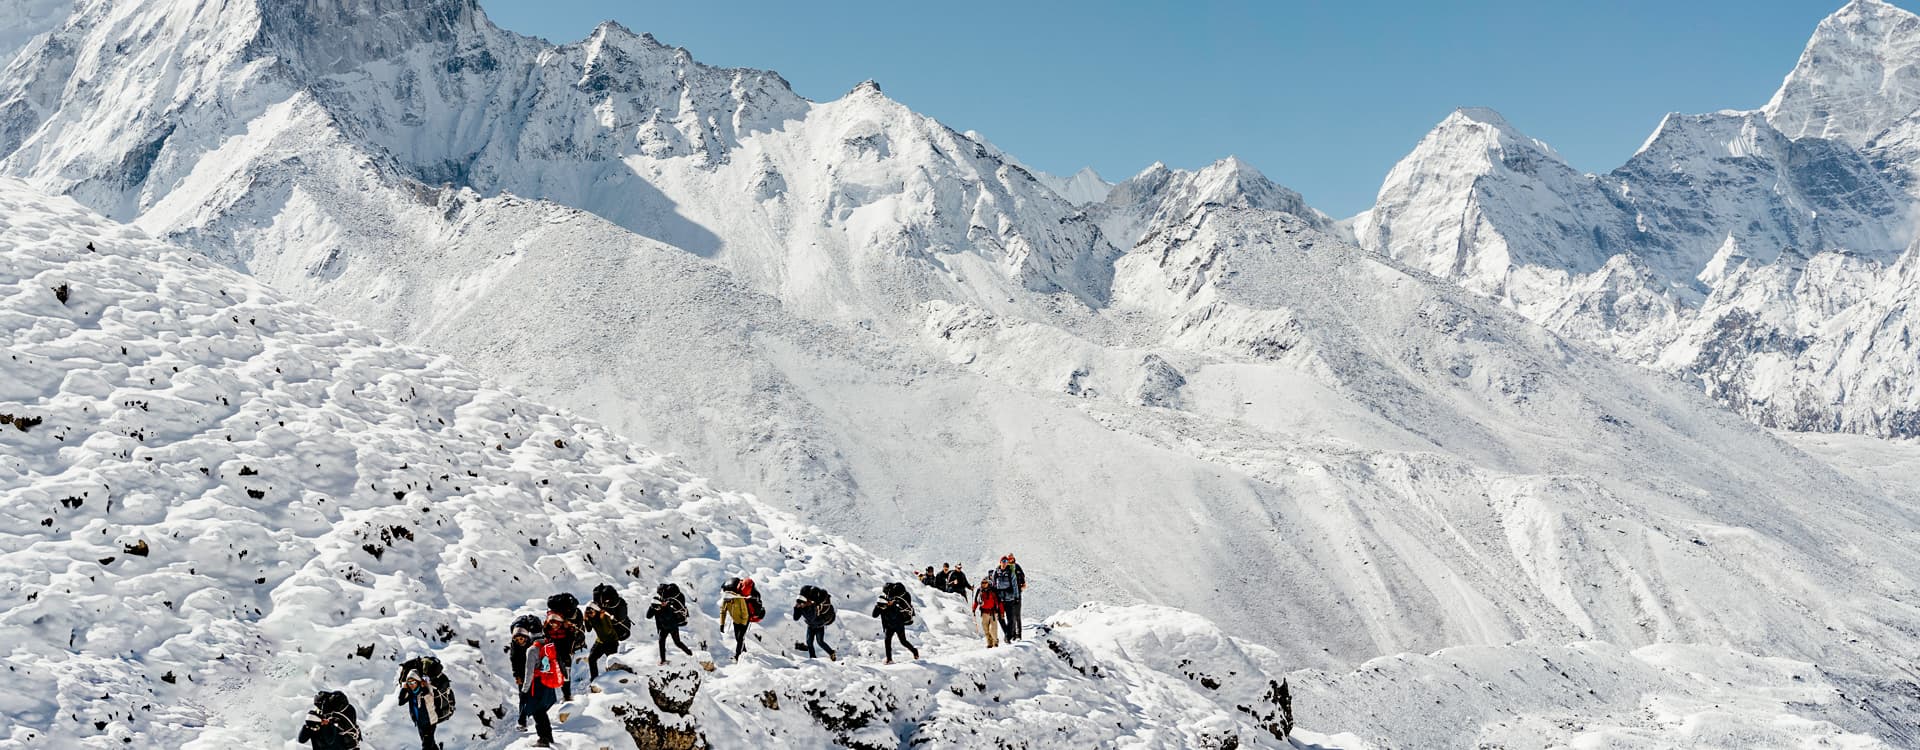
(831, 656)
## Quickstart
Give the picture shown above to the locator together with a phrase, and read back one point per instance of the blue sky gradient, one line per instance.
(1321, 96)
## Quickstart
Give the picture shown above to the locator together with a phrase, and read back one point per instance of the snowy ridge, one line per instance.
(219, 502)
(1080, 188)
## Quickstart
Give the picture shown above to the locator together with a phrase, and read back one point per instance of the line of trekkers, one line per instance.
(541, 651)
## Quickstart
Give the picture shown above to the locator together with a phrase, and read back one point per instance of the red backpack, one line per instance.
(755, 610)
(548, 669)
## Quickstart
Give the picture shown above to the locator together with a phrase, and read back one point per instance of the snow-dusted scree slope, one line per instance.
(213, 503)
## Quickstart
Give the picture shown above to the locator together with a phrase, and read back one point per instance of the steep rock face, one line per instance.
(1858, 76)
(1702, 180)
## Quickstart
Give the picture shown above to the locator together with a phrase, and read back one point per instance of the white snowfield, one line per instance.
(217, 502)
(1193, 392)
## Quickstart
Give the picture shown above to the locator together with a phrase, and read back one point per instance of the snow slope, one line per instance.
(218, 502)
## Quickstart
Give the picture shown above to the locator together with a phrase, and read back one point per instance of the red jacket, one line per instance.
(986, 600)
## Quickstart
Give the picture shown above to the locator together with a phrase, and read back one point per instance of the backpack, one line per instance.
(529, 623)
(671, 606)
(905, 603)
(442, 692)
(440, 687)
(548, 670)
(614, 608)
(335, 705)
(755, 610)
(1006, 584)
(622, 624)
(823, 610)
(672, 613)
(565, 604)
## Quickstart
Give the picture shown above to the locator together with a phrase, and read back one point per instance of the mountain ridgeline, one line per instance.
(1764, 254)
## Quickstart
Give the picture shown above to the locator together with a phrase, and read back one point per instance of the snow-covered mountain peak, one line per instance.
(867, 87)
(1158, 195)
(1859, 74)
(1480, 131)
(1475, 199)
(1081, 188)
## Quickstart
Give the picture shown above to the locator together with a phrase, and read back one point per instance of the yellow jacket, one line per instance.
(734, 608)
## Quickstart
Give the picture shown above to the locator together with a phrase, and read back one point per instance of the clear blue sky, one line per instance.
(1322, 96)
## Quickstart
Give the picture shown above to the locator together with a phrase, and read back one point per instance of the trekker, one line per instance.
(538, 673)
(926, 577)
(957, 580)
(943, 580)
(986, 604)
(815, 608)
(566, 629)
(736, 608)
(332, 723)
(895, 610)
(669, 613)
(607, 616)
(1008, 583)
(428, 696)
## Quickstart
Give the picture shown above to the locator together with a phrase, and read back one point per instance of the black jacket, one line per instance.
(957, 582)
(333, 726)
(894, 614)
(667, 616)
(517, 656)
(805, 611)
